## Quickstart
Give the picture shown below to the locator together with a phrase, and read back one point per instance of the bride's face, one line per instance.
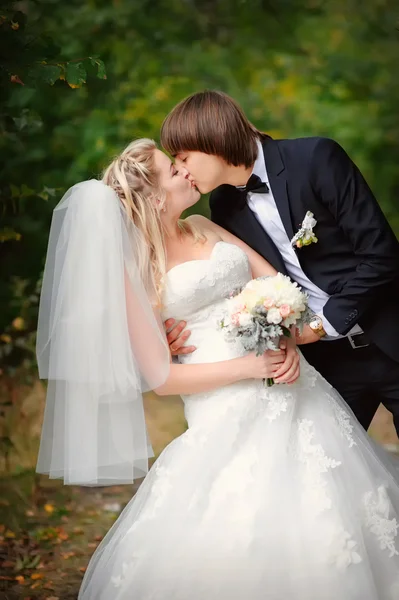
(181, 193)
(206, 171)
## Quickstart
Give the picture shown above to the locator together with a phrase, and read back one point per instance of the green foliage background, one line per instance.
(298, 68)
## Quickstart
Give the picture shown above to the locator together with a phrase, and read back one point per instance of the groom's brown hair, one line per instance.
(213, 123)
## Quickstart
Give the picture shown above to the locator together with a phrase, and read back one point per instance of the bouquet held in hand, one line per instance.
(263, 311)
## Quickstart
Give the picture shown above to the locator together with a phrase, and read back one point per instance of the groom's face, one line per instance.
(206, 171)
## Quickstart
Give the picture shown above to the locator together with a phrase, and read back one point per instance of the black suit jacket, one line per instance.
(356, 258)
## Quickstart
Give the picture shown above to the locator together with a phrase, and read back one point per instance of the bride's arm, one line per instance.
(194, 379)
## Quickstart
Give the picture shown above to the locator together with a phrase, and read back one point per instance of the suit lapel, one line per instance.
(278, 182)
(247, 227)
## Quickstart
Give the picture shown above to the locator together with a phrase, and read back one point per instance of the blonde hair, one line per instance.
(133, 176)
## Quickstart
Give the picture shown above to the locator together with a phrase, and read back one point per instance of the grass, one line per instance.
(49, 533)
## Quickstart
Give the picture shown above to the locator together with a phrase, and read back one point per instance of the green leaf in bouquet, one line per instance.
(286, 331)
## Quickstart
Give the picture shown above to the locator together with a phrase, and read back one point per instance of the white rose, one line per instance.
(252, 285)
(245, 319)
(273, 316)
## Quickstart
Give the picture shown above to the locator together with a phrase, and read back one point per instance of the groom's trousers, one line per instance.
(364, 376)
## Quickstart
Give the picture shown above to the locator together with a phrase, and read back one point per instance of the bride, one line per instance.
(272, 493)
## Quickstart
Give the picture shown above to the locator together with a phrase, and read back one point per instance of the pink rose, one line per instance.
(235, 319)
(268, 303)
(285, 310)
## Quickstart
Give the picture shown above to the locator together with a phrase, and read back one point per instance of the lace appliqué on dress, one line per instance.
(118, 579)
(308, 375)
(343, 550)
(277, 402)
(343, 420)
(339, 547)
(316, 462)
(377, 506)
(194, 437)
(161, 486)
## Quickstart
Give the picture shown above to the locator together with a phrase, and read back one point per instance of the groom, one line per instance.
(346, 258)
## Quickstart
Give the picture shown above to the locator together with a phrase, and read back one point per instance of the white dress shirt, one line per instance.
(264, 208)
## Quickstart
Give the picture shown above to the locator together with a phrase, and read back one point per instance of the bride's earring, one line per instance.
(160, 204)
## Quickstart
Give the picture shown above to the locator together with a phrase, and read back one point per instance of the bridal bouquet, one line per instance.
(261, 312)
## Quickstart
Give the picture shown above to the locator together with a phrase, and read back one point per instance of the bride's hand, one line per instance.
(264, 366)
(289, 371)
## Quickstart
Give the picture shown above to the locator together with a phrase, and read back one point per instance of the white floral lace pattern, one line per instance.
(377, 507)
(223, 494)
(343, 550)
(308, 376)
(117, 580)
(195, 295)
(340, 549)
(316, 462)
(160, 488)
(277, 402)
(343, 420)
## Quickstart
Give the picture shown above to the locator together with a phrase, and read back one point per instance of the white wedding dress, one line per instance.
(271, 494)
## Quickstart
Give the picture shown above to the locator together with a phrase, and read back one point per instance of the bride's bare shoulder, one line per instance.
(201, 224)
(199, 221)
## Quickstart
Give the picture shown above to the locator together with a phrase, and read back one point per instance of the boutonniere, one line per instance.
(305, 235)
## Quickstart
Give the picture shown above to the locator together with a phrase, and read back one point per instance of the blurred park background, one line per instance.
(81, 79)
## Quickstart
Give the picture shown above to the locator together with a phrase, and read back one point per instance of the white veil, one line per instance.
(99, 342)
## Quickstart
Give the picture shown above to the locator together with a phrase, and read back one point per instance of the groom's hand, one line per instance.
(177, 337)
(289, 371)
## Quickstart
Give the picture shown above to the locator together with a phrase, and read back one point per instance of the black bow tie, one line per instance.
(254, 185)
